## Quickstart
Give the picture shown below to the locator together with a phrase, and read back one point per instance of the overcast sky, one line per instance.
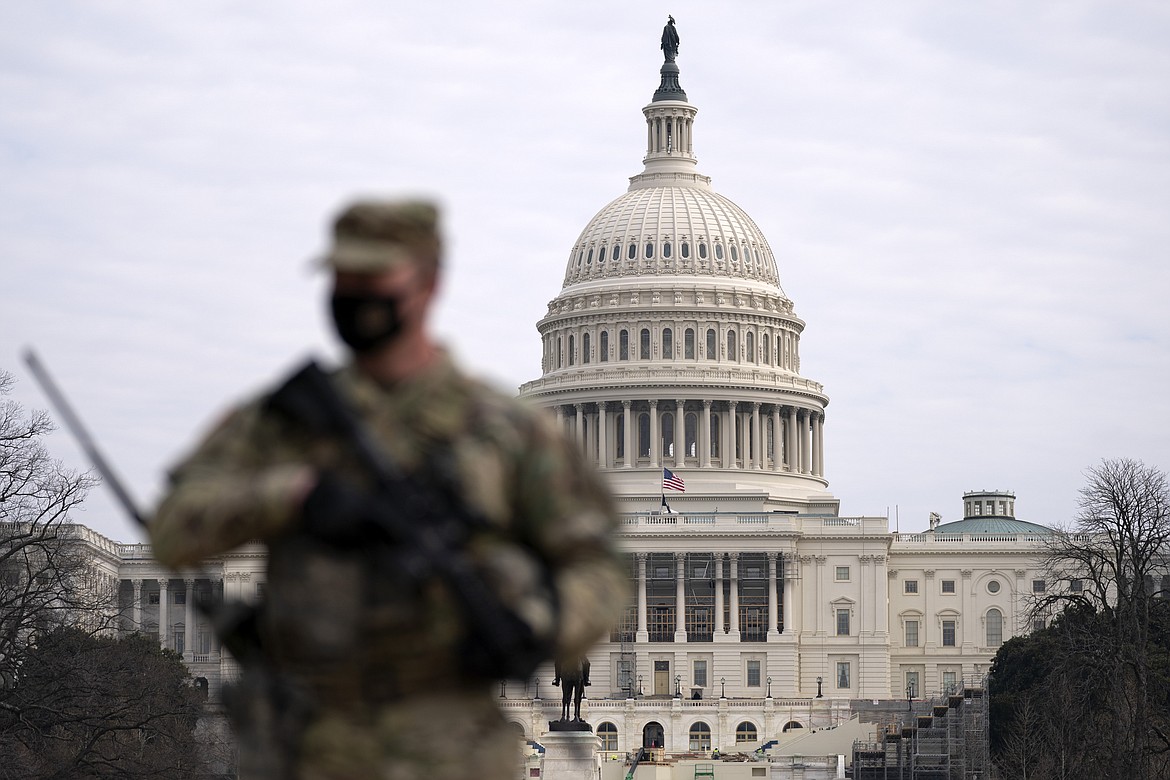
(968, 204)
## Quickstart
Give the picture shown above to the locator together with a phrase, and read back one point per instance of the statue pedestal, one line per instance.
(570, 755)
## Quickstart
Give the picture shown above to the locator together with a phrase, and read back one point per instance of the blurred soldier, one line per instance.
(364, 668)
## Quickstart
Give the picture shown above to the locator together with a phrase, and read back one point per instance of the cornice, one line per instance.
(672, 377)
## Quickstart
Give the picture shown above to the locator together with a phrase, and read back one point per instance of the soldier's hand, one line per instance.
(339, 513)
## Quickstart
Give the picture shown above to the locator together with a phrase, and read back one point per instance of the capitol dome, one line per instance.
(672, 346)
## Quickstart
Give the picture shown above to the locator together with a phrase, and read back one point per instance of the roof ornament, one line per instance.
(669, 39)
(669, 88)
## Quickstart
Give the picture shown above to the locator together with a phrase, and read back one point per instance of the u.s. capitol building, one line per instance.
(671, 356)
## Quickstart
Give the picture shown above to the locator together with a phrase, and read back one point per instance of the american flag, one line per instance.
(672, 482)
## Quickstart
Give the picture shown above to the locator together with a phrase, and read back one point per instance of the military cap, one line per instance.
(376, 235)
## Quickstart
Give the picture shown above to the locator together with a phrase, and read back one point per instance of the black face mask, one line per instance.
(365, 322)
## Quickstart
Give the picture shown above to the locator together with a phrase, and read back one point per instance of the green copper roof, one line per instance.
(992, 525)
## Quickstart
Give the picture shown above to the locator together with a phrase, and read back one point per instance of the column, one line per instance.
(757, 439)
(773, 607)
(734, 628)
(820, 445)
(655, 437)
(806, 442)
(777, 446)
(819, 595)
(680, 434)
(642, 635)
(189, 621)
(814, 434)
(793, 452)
(136, 604)
(163, 616)
(705, 435)
(718, 594)
(729, 458)
(680, 597)
(602, 436)
(628, 435)
(559, 411)
(789, 572)
(580, 427)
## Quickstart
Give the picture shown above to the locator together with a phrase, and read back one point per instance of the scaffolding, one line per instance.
(946, 739)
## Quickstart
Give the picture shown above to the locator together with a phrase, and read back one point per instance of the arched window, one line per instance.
(689, 344)
(766, 348)
(700, 736)
(732, 352)
(649, 250)
(644, 344)
(633, 251)
(617, 252)
(712, 352)
(585, 348)
(667, 343)
(718, 251)
(601, 255)
(619, 435)
(603, 355)
(572, 348)
(994, 628)
(691, 424)
(685, 249)
(746, 732)
(750, 346)
(734, 253)
(702, 250)
(644, 435)
(607, 733)
(624, 344)
(560, 353)
(666, 249)
(589, 257)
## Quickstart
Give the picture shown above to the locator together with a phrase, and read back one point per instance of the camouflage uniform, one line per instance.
(371, 652)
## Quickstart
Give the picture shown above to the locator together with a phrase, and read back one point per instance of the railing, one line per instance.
(733, 522)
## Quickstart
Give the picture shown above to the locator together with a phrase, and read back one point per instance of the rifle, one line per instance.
(498, 643)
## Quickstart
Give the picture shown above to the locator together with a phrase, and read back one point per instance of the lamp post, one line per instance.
(819, 681)
(640, 692)
(503, 689)
(536, 688)
(769, 687)
(909, 696)
(722, 687)
(678, 686)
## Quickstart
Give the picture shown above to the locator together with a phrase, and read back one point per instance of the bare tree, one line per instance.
(1111, 566)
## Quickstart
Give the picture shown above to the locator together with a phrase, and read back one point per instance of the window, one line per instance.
(572, 349)
(152, 598)
(666, 249)
(753, 673)
(950, 682)
(712, 352)
(719, 251)
(912, 688)
(948, 628)
(1038, 624)
(689, 344)
(842, 674)
(685, 248)
(178, 639)
(180, 597)
(700, 736)
(994, 628)
(911, 586)
(607, 733)
(734, 252)
(667, 343)
(842, 622)
(699, 673)
(703, 250)
(1077, 586)
(633, 251)
(746, 732)
(604, 351)
(649, 250)
(948, 586)
(842, 574)
(732, 352)
(911, 633)
(623, 345)
(750, 346)
(617, 252)
(1038, 586)
(993, 586)
(585, 345)
(644, 344)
